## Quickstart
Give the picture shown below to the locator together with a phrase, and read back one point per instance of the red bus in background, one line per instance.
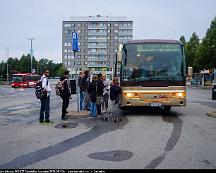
(24, 80)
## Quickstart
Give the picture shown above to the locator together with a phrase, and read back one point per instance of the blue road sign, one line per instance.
(75, 46)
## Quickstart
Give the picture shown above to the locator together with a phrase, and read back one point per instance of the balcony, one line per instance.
(126, 33)
(97, 65)
(99, 40)
(96, 27)
(97, 33)
(97, 46)
(96, 59)
(97, 52)
(125, 27)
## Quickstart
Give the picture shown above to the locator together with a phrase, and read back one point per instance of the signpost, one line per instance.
(75, 48)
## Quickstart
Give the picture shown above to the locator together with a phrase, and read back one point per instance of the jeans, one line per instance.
(86, 100)
(105, 101)
(65, 105)
(45, 107)
(81, 100)
(93, 109)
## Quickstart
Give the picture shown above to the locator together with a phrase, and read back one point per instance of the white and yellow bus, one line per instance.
(152, 73)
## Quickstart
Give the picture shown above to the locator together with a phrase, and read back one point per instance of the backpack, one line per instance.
(59, 87)
(39, 90)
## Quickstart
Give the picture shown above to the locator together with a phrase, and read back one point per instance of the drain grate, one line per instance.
(115, 156)
(66, 125)
(112, 119)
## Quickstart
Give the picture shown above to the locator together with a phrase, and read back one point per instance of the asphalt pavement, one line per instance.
(136, 139)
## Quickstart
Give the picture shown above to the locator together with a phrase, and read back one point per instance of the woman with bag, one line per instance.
(92, 90)
(100, 87)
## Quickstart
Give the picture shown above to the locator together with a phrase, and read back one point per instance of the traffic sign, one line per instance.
(75, 46)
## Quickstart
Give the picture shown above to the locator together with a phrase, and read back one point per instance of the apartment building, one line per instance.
(99, 37)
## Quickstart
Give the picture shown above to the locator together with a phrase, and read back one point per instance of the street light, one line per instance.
(7, 57)
(31, 51)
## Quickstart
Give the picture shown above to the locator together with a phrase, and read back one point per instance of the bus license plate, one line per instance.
(155, 104)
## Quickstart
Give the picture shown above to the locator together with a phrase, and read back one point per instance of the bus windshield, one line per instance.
(153, 61)
(17, 78)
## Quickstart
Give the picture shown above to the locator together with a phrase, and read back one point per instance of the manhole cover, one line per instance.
(212, 114)
(66, 125)
(115, 156)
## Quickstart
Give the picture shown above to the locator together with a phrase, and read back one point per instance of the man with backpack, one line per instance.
(45, 98)
(65, 93)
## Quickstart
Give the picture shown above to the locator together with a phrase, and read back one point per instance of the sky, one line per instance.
(42, 20)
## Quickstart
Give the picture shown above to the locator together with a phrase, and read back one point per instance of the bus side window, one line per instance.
(24, 79)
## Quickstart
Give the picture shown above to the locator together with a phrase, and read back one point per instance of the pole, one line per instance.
(76, 81)
(7, 50)
(31, 52)
(115, 72)
(37, 67)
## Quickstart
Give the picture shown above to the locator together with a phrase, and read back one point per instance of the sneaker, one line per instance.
(48, 122)
(41, 121)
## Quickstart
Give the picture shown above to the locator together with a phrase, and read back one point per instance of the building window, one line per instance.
(85, 56)
(67, 25)
(79, 31)
(79, 44)
(78, 62)
(115, 24)
(116, 31)
(109, 43)
(79, 56)
(86, 63)
(109, 31)
(109, 24)
(79, 25)
(115, 38)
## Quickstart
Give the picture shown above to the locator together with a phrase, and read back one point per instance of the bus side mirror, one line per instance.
(119, 57)
(190, 71)
(119, 53)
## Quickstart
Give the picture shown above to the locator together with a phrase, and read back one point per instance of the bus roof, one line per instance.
(25, 74)
(153, 41)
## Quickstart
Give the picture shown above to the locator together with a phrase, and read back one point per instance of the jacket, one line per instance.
(95, 90)
(65, 93)
(84, 83)
(115, 90)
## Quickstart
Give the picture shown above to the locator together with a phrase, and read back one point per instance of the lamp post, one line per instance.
(7, 56)
(31, 51)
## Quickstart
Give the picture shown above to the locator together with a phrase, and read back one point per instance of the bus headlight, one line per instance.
(180, 94)
(131, 95)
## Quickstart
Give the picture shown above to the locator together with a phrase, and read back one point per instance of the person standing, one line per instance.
(84, 87)
(100, 87)
(115, 90)
(105, 93)
(45, 100)
(81, 75)
(65, 94)
(93, 90)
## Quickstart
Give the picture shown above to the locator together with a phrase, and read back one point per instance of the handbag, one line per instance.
(99, 99)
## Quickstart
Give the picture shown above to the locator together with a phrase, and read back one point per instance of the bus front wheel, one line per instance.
(167, 108)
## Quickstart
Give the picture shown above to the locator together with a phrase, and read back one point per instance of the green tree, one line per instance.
(207, 50)
(191, 51)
